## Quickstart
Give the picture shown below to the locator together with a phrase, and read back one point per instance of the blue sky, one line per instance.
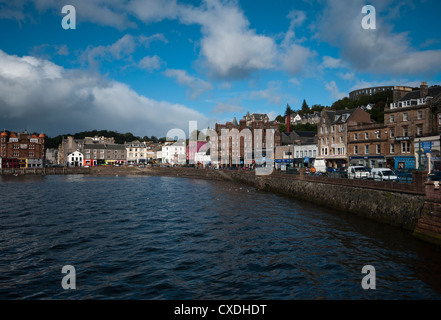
(149, 66)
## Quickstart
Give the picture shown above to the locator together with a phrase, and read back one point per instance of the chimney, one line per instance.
(288, 123)
(424, 90)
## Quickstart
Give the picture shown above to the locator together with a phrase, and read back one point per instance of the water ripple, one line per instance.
(176, 238)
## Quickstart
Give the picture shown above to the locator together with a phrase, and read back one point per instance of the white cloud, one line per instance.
(331, 63)
(295, 81)
(52, 99)
(272, 93)
(229, 107)
(333, 89)
(151, 63)
(379, 51)
(197, 86)
(347, 75)
(123, 48)
(229, 48)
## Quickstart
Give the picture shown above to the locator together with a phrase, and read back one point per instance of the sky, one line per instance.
(151, 66)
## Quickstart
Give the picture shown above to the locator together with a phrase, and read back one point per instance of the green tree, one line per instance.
(305, 108)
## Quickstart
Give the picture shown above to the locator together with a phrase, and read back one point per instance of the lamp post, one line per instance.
(419, 154)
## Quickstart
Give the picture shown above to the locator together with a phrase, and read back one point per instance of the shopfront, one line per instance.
(368, 161)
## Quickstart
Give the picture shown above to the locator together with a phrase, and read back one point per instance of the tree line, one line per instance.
(378, 101)
(120, 138)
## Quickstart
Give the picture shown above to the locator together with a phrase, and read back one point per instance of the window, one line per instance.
(366, 135)
(333, 140)
(378, 135)
(332, 128)
(326, 130)
(314, 153)
(439, 119)
(392, 118)
(420, 115)
(420, 130)
(392, 148)
(341, 139)
(405, 117)
(355, 136)
(405, 131)
(378, 149)
(392, 133)
(355, 149)
(366, 149)
(405, 147)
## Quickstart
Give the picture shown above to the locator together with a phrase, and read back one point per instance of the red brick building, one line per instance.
(244, 144)
(23, 148)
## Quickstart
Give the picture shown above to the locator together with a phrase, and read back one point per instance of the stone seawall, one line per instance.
(394, 208)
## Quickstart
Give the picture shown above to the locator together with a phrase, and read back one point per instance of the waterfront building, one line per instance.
(75, 159)
(70, 144)
(415, 117)
(104, 154)
(367, 145)
(305, 154)
(192, 148)
(243, 148)
(67, 146)
(284, 156)
(332, 134)
(22, 150)
(51, 156)
(136, 152)
(174, 153)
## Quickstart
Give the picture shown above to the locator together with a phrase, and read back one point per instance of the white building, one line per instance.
(75, 159)
(174, 153)
(306, 153)
(136, 152)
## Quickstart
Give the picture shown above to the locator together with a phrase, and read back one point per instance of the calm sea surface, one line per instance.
(175, 238)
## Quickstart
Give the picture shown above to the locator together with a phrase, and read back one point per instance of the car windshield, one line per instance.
(360, 170)
(388, 173)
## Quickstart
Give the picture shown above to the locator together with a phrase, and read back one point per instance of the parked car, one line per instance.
(358, 172)
(383, 174)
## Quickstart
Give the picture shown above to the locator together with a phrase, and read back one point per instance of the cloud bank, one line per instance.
(48, 97)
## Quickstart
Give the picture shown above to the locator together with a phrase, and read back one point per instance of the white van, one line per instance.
(320, 165)
(383, 174)
(358, 172)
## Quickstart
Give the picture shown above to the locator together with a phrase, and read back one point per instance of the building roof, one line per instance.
(4, 134)
(105, 146)
(339, 116)
(433, 91)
